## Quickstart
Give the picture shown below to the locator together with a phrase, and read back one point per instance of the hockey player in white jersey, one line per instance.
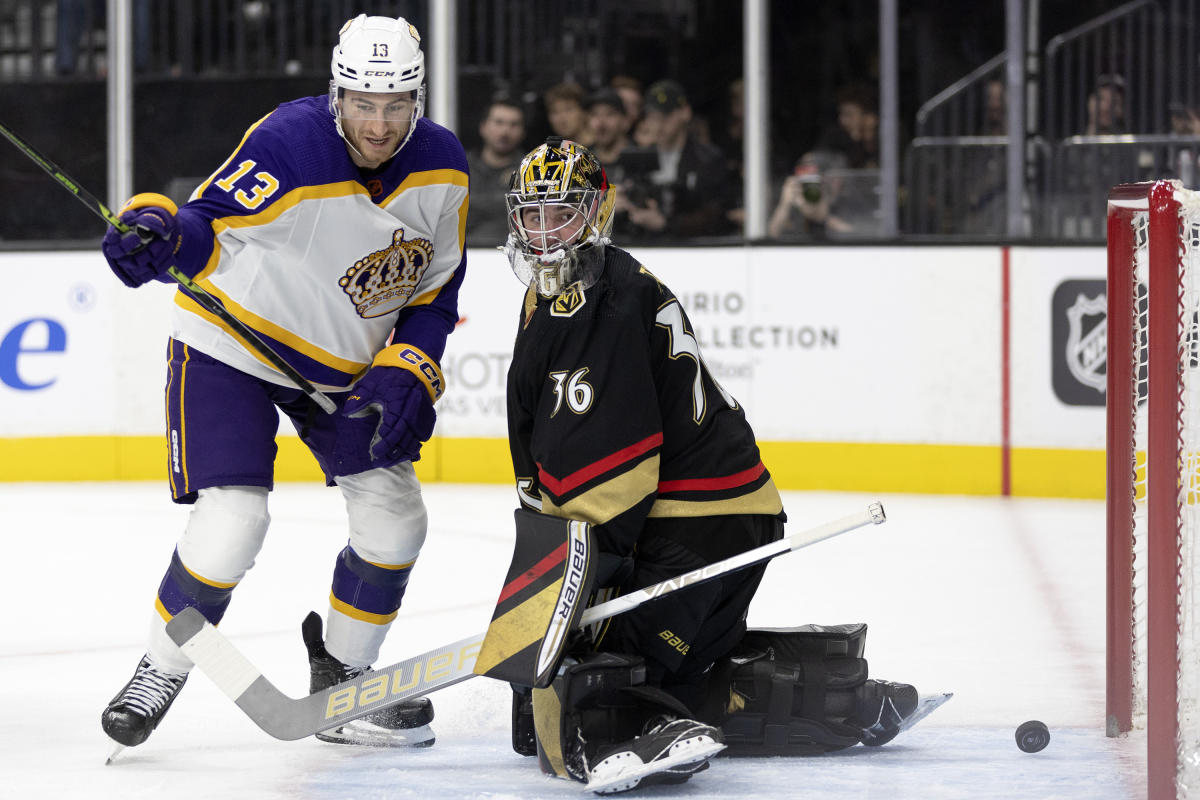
(334, 228)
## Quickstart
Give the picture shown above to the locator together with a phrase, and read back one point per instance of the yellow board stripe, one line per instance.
(516, 629)
(359, 614)
(795, 466)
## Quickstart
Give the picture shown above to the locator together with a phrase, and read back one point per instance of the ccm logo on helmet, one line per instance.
(377, 74)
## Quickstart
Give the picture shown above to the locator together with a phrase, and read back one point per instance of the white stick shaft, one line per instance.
(872, 516)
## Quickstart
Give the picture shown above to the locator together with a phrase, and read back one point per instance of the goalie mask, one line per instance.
(560, 213)
(378, 55)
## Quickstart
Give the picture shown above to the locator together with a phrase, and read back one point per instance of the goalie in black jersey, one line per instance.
(615, 420)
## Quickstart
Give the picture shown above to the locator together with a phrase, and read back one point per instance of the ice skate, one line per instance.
(882, 707)
(669, 752)
(405, 724)
(135, 712)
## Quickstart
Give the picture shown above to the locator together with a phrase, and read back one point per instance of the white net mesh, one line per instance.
(1141, 271)
(1186, 558)
(1188, 561)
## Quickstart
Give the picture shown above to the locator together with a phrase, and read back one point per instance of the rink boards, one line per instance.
(970, 370)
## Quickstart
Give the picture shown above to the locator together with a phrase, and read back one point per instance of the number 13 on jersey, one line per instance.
(266, 185)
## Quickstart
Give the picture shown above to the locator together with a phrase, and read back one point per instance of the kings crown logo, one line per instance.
(382, 281)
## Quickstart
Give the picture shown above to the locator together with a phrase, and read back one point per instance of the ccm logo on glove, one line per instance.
(410, 358)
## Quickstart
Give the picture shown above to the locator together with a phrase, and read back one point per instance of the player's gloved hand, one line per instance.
(405, 410)
(148, 248)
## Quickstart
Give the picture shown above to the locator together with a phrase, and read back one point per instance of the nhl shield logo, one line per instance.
(1087, 341)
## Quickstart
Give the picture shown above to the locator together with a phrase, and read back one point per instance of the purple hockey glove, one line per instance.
(406, 414)
(148, 248)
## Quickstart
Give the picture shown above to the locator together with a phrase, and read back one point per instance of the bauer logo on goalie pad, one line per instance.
(1079, 339)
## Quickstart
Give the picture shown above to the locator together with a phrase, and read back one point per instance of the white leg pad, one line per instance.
(225, 531)
(387, 514)
(387, 526)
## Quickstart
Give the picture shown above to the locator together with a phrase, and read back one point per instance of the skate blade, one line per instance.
(366, 734)
(628, 775)
(925, 706)
(112, 755)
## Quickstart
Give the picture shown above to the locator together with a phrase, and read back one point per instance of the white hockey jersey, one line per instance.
(321, 259)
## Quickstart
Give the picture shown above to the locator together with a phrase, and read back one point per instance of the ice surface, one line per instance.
(999, 600)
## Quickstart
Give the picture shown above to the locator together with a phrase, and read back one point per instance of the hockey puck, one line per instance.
(1032, 736)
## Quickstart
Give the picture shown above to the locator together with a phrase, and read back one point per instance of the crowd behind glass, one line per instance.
(674, 146)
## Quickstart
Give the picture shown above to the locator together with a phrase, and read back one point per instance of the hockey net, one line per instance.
(1153, 491)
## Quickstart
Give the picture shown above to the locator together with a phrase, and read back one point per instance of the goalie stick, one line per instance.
(290, 718)
(197, 292)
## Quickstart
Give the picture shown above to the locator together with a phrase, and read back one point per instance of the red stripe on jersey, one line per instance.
(713, 484)
(581, 476)
(533, 573)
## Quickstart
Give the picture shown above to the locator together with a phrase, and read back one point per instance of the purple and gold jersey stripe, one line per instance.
(338, 375)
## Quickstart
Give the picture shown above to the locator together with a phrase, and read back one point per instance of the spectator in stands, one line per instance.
(1106, 107)
(730, 140)
(995, 108)
(691, 181)
(76, 17)
(856, 134)
(645, 131)
(501, 130)
(608, 125)
(810, 202)
(566, 112)
(630, 89)
(1184, 122)
(628, 167)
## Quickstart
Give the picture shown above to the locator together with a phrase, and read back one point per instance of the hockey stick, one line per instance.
(197, 293)
(288, 718)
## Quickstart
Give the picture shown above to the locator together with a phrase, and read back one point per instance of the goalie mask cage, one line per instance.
(1153, 497)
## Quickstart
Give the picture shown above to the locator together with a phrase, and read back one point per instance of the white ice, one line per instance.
(999, 600)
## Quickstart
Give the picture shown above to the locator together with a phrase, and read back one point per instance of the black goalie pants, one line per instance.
(681, 634)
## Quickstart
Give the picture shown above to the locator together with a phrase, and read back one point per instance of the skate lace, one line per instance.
(151, 689)
(349, 673)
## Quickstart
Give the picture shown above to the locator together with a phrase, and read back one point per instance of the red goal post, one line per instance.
(1153, 495)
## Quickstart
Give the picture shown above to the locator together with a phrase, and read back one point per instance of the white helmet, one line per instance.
(378, 54)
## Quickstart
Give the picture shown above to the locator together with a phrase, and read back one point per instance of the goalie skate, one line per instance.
(899, 701)
(669, 753)
(404, 724)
